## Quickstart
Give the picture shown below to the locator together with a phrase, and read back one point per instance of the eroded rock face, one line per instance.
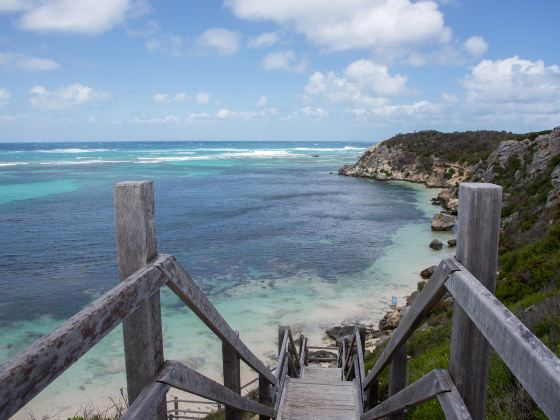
(443, 221)
(390, 321)
(554, 194)
(385, 163)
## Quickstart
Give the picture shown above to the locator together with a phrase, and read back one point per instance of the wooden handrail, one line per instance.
(181, 377)
(28, 373)
(531, 362)
(430, 295)
(429, 386)
(188, 291)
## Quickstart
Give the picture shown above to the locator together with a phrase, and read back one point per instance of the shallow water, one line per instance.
(268, 231)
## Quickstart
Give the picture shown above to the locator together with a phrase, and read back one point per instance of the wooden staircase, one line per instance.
(320, 394)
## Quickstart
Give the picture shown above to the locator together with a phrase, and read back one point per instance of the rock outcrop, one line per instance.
(436, 244)
(443, 221)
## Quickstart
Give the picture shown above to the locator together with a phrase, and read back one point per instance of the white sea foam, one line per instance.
(73, 150)
(328, 149)
(12, 163)
(81, 162)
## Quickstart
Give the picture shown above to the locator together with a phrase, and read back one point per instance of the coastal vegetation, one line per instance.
(528, 281)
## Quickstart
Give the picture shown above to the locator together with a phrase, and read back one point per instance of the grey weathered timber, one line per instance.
(302, 354)
(136, 246)
(189, 380)
(264, 395)
(144, 407)
(477, 250)
(360, 365)
(28, 373)
(397, 376)
(232, 378)
(532, 363)
(430, 295)
(424, 389)
(453, 406)
(293, 352)
(189, 292)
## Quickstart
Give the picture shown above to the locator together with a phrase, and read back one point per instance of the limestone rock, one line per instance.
(436, 244)
(427, 272)
(452, 243)
(443, 221)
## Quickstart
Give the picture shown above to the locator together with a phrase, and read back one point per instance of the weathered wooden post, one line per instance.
(477, 250)
(397, 376)
(232, 377)
(136, 247)
(264, 394)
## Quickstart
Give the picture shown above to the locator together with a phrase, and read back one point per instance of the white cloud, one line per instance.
(168, 119)
(168, 44)
(4, 96)
(164, 98)
(221, 40)
(202, 98)
(64, 97)
(476, 46)
(194, 117)
(513, 80)
(315, 112)
(266, 39)
(262, 101)
(283, 60)
(17, 61)
(344, 25)
(13, 5)
(225, 113)
(84, 16)
(361, 83)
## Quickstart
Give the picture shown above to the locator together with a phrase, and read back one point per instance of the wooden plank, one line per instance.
(532, 363)
(189, 292)
(293, 351)
(431, 294)
(136, 246)
(232, 378)
(264, 395)
(360, 353)
(397, 376)
(144, 407)
(29, 372)
(189, 380)
(477, 250)
(422, 390)
(302, 354)
(453, 406)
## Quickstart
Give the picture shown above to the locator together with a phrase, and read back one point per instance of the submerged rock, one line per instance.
(321, 354)
(427, 272)
(452, 243)
(443, 221)
(436, 244)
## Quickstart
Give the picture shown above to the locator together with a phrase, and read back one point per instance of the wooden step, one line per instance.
(320, 394)
(322, 374)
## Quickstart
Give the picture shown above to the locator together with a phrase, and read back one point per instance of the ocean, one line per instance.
(267, 229)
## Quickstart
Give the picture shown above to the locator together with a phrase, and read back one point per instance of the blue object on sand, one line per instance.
(393, 300)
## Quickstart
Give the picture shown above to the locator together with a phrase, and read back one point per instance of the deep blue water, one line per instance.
(241, 211)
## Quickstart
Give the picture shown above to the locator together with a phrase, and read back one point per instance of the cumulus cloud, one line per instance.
(476, 46)
(84, 16)
(168, 44)
(337, 25)
(194, 117)
(4, 96)
(314, 112)
(168, 119)
(361, 83)
(64, 97)
(513, 80)
(262, 101)
(202, 98)
(164, 98)
(265, 39)
(283, 60)
(221, 40)
(11, 61)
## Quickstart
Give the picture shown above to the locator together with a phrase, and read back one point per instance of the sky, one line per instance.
(352, 70)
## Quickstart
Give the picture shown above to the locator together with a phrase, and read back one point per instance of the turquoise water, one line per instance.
(268, 230)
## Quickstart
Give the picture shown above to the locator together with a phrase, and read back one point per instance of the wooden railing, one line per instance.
(289, 363)
(135, 303)
(480, 321)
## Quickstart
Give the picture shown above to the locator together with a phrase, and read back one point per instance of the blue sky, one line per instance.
(274, 70)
